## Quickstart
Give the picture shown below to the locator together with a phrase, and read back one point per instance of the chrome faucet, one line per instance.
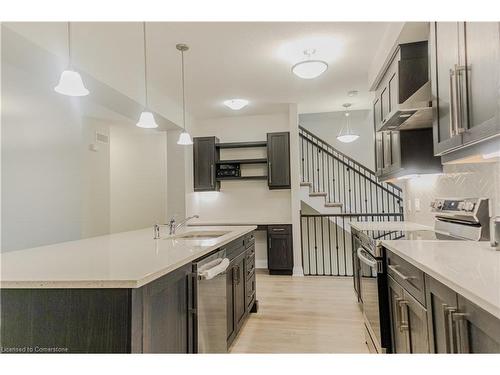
(172, 225)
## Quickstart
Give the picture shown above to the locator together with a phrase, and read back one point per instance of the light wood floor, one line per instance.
(303, 315)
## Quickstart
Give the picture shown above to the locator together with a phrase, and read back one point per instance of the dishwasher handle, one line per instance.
(364, 259)
(220, 267)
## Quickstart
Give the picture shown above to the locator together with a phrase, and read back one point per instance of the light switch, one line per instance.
(417, 205)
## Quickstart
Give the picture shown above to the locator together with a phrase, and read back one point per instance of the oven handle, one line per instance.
(364, 259)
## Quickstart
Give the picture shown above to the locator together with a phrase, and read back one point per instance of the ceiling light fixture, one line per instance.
(184, 137)
(236, 104)
(146, 120)
(309, 69)
(70, 82)
(346, 135)
(352, 93)
(491, 155)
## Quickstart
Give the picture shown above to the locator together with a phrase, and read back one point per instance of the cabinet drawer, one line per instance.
(251, 252)
(234, 248)
(279, 229)
(249, 240)
(251, 289)
(407, 275)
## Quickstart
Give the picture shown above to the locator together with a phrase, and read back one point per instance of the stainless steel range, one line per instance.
(455, 219)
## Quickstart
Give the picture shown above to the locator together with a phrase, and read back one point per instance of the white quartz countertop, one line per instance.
(389, 225)
(243, 222)
(470, 268)
(122, 260)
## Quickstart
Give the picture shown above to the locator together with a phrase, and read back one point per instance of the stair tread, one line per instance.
(317, 194)
(334, 204)
(306, 184)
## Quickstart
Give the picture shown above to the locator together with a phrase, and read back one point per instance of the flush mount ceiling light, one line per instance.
(146, 120)
(346, 135)
(352, 93)
(70, 82)
(309, 69)
(236, 104)
(184, 137)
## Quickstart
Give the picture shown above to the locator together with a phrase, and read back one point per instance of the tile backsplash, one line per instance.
(458, 181)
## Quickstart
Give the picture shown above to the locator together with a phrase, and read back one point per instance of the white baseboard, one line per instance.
(261, 263)
(298, 271)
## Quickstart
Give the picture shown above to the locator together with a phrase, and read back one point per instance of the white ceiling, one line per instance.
(225, 60)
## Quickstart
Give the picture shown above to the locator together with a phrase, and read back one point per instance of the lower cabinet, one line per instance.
(279, 249)
(456, 325)
(167, 313)
(241, 288)
(408, 321)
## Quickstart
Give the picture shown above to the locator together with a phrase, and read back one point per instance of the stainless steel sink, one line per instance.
(200, 235)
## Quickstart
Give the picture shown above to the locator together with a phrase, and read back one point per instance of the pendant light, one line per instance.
(346, 135)
(184, 137)
(309, 69)
(70, 82)
(146, 120)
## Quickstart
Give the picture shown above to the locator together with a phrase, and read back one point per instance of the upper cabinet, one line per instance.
(209, 170)
(402, 116)
(278, 160)
(205, 156)
(465, 76)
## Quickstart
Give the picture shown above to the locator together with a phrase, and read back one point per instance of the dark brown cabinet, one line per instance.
(168, 316)
(279, 249)
(240, 285)
(456, 325)
(465, 75)
(408, 321)
(278, 160)
(205, 157)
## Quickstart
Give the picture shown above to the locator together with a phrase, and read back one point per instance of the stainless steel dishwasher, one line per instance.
(212, 303)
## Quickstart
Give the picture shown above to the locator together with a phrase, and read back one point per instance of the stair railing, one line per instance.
(344, 180)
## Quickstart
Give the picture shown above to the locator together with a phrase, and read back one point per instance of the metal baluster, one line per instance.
(337, 246)
(343, 244)
(330, 245)
(322, 246)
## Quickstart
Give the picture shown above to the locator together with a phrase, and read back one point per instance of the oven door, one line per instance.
(369, 287)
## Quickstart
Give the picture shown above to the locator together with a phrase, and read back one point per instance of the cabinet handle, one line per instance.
(212, 172)
(398, 273)
(452, 103)
(448, 327)
(270, 172)
(403, 324)
(459, 95)
(278, 229)
(461, 331)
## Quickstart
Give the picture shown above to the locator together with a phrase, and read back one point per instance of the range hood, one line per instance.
(413, 107)
(414, 113)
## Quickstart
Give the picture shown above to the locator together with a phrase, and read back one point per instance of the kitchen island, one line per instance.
(122, 293)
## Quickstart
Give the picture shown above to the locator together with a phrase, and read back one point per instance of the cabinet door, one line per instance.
(399, 327)
(379, 152)
(441, 302)
(445, 47)
(393, 93)
(280, 252)
(204, 157)
(387, 151)
(385, 102)
(231, 326)
(167, 321)
(476, 331)
(278, 159)
(377, 113)
(239, 290)
(395, 151)
(416, 318)
(482, 41)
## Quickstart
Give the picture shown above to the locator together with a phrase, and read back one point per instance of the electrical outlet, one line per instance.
(417, 205)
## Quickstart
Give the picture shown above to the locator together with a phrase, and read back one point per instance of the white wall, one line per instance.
(327, 126)
(480, 180)
(176, 183)
(240, 201)
(138, 178)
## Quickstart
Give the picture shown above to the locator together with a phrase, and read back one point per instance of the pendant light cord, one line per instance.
(145, 63)
(69, 45)
(183, 93)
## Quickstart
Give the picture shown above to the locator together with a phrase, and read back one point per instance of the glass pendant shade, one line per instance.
(184, 139)
(71, 84)
(346, 135)
(347, 138)
(147, 121)
(309, 69)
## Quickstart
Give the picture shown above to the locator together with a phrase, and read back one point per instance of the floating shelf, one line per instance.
(243, 161)
(241, 144)
(242, 178)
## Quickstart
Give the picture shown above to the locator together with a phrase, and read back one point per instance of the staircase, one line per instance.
(337, 190)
